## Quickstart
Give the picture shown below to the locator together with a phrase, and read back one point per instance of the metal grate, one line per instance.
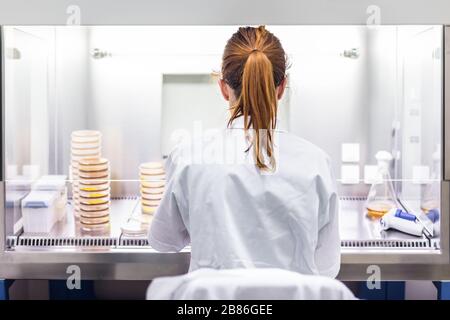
(75, 242)
(66, 242)
(351, 198)
(127, 197)
(11, 242)
(393, 244)
(436, 244)
(134, 242)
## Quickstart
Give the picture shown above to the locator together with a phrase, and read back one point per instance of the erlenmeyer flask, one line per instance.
(381, 197)
(431, 191)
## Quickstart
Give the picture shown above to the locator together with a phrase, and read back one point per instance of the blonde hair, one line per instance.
(254, 65)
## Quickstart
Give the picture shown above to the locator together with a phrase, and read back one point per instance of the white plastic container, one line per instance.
(39, 211)
(19, 183)
(13, 208)
(51, 182)
(58, 184)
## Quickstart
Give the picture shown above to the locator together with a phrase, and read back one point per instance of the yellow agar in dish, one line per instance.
(93, 187)
(94, 201)
(94, 194)
(149, 210)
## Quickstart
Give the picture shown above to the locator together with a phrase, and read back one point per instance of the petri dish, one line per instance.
(151, 168)
(97, 220)
(85, 152)
(150, 190)
(151, 185)
(86, 145)
(94, 227)
(85, 135)
(92, 174)
(150, 203)
(95, 193)
(93, 187)
(94, 201)
(152, 172)
(93, 167)
(94, 181)
(154, 184)
(92, 207)
(94, 214)
(93, 161)
(150, 196)
(134, 227)
(154, 177)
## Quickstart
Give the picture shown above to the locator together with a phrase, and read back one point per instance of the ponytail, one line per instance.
(258, 104)
(254, 65)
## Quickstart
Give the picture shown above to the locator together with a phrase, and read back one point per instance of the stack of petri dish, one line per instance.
(85, 144)
(94, 193)
(152, 183)
(152, 178)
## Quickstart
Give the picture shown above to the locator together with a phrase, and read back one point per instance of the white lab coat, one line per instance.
(235, 216)
(247, 284)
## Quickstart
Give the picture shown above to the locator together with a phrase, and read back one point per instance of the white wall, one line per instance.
(191, 104)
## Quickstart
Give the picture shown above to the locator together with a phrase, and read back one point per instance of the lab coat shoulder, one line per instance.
(198, 150)
(179, 161)
(312, 160)
(321, 171)
(307, 147)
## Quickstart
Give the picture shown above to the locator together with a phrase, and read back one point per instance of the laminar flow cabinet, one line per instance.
(354, 91)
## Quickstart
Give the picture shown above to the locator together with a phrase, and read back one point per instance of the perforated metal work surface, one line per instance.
(357, 232)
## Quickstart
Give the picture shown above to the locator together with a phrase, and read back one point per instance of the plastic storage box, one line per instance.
(39, 210)
(13, 208)
(58, 184)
